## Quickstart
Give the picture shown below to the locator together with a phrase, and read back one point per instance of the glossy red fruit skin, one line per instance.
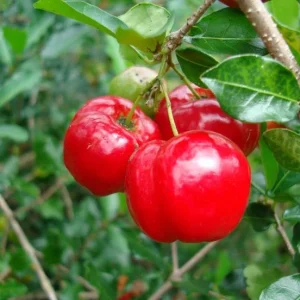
(193, 188)
(205, 114)
(233, 3)
(97, 147)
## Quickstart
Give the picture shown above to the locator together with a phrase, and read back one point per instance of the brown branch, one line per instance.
(286, 239)
(266, 28)
(5, 274)
(80, 280)
(176, 37)
(68, 202)
(174, 250)
(4, 239)
(181, 271)
(45, 282)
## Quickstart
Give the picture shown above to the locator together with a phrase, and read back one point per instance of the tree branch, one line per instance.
(174, 257)
(46, 195)
(286, 239)
(45, 282)
(181, 271)
(176, 37)
(267, 29)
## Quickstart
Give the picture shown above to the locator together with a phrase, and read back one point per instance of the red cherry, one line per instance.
(205, 114)
(97, 146)
(233, 3)
(193, 188)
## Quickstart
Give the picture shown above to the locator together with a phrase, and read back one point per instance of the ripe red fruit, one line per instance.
(97, 146)
(205, 114)
(233, 3)
(192, 188)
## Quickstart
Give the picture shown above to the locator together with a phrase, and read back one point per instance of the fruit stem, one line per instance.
(169, 108)
(185, 80)
(132, 110)
(163, 69)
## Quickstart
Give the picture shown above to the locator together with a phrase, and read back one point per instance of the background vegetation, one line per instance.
(50, 66)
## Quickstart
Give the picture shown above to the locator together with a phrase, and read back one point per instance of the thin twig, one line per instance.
(46, 195)
(263, 23)
(181, 271)
(174, 257)
(286, 239)
(80, 280)
(88, 296)
(68, 202)
(5, 274)
(186, 81)
(258, 188)
(4, 239)
(31, 120)
(175, 38)
(45, 282)
(169, 109)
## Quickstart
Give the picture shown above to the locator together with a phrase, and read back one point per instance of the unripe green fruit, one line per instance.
(131, 83)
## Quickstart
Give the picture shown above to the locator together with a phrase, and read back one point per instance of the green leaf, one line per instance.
(38, 29)
(270, 165)
(291, 36)
(16, 37)
(254, 89)
(285, 145)
(144, 249)
(84, 13)
(259, 279)
(234, 282)
(5, 55)
(72, 37)
(260, 216)
(296, 235)
(19, 261)
(53, 208)
(286, 288)
(11, 288)
(224, 33)
(100, 281)
(112, 49)
(25, 78)
(287, 180)
(147, 24)
(110, 205)
(223, 267)
(286, 12)
(292, 214)
(194, 62)
(117, 250)
(13, 132)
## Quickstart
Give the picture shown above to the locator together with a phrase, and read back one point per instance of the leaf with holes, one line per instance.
(254, 89)
(285, 145)
(224, 33)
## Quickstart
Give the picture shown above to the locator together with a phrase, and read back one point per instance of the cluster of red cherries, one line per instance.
(193, 187)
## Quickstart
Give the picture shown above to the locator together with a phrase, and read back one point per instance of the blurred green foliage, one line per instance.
(50, 66)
